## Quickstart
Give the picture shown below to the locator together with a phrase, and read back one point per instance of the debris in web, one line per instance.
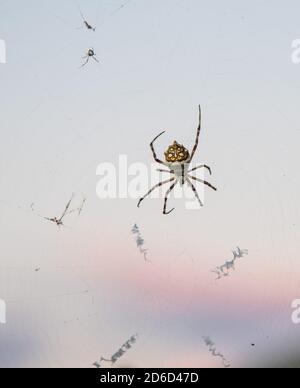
(213, 350)
(119, 354)
(140, 242)
(229, 266)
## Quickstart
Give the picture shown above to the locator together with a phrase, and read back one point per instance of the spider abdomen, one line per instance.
(177, 153)
(180, 170)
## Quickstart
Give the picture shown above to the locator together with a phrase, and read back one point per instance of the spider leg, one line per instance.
(195, 192)
(49, 219)
(64, 226)
(182, 173)
(66, 211)
(86, 62)
(202, 166)
(167, 197)
(198, 135)
(154, 188)
(204, 182)
(95, 59)
(153, 150)
(168, 171)
(83, 18)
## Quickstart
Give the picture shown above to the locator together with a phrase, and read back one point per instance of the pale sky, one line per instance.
(159, 60)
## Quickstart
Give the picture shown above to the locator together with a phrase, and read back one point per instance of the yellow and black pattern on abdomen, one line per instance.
(177, 153)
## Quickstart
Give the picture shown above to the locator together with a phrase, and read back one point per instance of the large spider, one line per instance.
(178, 160)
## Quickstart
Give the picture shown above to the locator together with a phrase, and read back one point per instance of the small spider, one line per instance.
(178, 160)
(86, 23)
(59, 221)
(90, 54)
(88, 26)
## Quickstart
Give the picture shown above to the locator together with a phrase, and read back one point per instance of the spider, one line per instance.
(59, 221)
(86, 23)
(67, 211)
(88, 26)
(178, 160)
(90, 54)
